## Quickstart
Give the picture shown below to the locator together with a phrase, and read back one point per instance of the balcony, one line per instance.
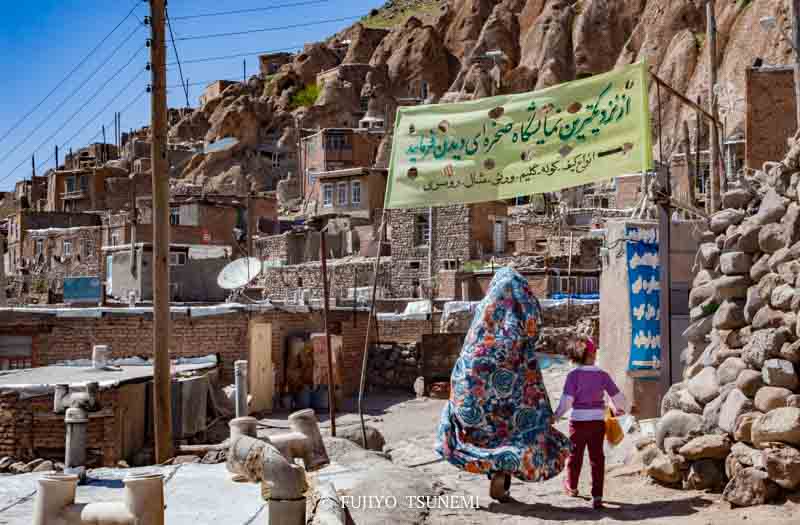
(75, 195)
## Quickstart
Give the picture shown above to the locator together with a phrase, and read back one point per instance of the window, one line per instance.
(276, 160)
(174, 216)
(342, 196)
(84, 183)
(422, 231)
(423, 91)
(177, 259)
(69, 184)
(39, 248)
(115, 239)
(66, 248)
(327, 194)
(337, 142)
(355, 192)
(364, 104)
(88, 248)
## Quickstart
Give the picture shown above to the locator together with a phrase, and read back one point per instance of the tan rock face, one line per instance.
(601, 30)
(413, 54)
(547, 46)
(465, 27)
(363, 43)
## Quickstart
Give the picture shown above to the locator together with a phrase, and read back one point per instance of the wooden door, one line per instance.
(261, 379)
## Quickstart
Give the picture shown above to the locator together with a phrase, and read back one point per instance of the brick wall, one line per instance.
(29, 429)
(770, 105)
(279, 282)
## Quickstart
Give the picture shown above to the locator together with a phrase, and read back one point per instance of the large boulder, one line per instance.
(730, 316)
(772, 238)
(771, 397)
(708, 255)
(750, 487)
(737, 198)
(375, 440)
(791, 223)
(742, 456)
(697, 331)
(700, 294)
(729, 370)
(763, 345)
(744, 427)
(711, 446)
(704, 387)
(723, 219)
(753, 304)
(760, 268)
(791, 352)
(731, 287)
(779, 373)
(767, 317)
(748, 238)
(781, 425)
(676, 423)
(712, 410)
(734, 406)
(704, 276)
(783, 466)
(767, 284)
(665, 469)
(772, 208)
(782, 297)
(735, 263)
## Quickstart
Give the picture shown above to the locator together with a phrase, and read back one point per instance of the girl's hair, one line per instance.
(581, 347)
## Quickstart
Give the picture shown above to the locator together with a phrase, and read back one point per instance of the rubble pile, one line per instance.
(734, 421)
(10, 465)
(394, 365)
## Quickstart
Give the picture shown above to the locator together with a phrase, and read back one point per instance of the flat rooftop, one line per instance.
(80, 373)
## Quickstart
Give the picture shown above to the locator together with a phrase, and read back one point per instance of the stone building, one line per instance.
(270, 63)
(52, 230)
(32, 193)
(355, 192)
(91, 156)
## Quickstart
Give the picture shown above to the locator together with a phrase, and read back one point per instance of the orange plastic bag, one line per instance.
(614, 432)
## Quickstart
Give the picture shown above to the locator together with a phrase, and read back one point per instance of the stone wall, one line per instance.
(394, 366)
(770, 106)
(735, 417)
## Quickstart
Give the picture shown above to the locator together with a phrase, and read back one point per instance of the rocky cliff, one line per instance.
(442, 45)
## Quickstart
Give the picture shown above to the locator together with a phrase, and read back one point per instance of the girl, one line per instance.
(497, 422)
(583, 394)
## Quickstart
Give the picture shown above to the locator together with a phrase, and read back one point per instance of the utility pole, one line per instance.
(795, 14)
(161, 315)
(244, 71)
(56, 156)
(331, 375)
(711, 23)
(33, 165)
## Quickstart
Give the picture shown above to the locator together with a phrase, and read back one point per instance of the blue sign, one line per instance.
(82, 290)
(644, 281)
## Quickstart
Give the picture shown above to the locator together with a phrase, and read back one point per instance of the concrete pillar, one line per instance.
(77, 422)
(240, 375)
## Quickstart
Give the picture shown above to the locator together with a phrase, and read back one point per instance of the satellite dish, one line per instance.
(239, 273)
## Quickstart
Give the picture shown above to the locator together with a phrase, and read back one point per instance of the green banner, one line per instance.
(516, 145)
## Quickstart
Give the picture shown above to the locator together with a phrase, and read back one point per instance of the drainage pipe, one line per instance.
(143, 503)
(77, 422)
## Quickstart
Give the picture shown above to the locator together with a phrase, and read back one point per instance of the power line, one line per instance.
(97, 135)
(268, 29)
(177, 58)
(89, 101)
(238, 55)
(253, 10)
(74, 92)
(74, 69)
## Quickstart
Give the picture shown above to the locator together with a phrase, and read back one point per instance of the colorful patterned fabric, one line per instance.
(498, 416)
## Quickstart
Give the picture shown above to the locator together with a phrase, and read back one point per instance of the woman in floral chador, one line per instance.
(498, 419)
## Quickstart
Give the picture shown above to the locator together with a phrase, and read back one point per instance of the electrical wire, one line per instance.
(71, 95)
(72, 117)
(72, 72)
(177, 57)
(252, 10)
(110, 123)
(238, 55)
(269, 29)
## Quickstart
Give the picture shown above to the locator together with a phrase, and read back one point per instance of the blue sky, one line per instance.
(43, 42)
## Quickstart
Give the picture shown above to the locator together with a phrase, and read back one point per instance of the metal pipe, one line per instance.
(77, 422)
(240, 377)
(331, 381)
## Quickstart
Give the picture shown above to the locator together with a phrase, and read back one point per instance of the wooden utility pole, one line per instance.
(716, 176)
(691, 168)
(323, 252)
(56, 156)
(251, 226)
(162, 407)
(795, 14)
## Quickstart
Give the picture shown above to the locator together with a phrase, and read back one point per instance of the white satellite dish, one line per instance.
(239, 273)
(221, 144)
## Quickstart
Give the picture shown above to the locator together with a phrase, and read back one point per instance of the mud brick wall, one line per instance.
(279, 282)
(770, 97)
(405, 331)
(29, 429)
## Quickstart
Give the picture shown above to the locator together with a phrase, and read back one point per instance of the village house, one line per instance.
(270, 63)
(214, 89)
(335, 149)
(82, 189)
(32, 193)
(92, 156)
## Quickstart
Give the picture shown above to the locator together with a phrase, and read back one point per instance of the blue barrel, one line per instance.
(302, 399)
(319, 398)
